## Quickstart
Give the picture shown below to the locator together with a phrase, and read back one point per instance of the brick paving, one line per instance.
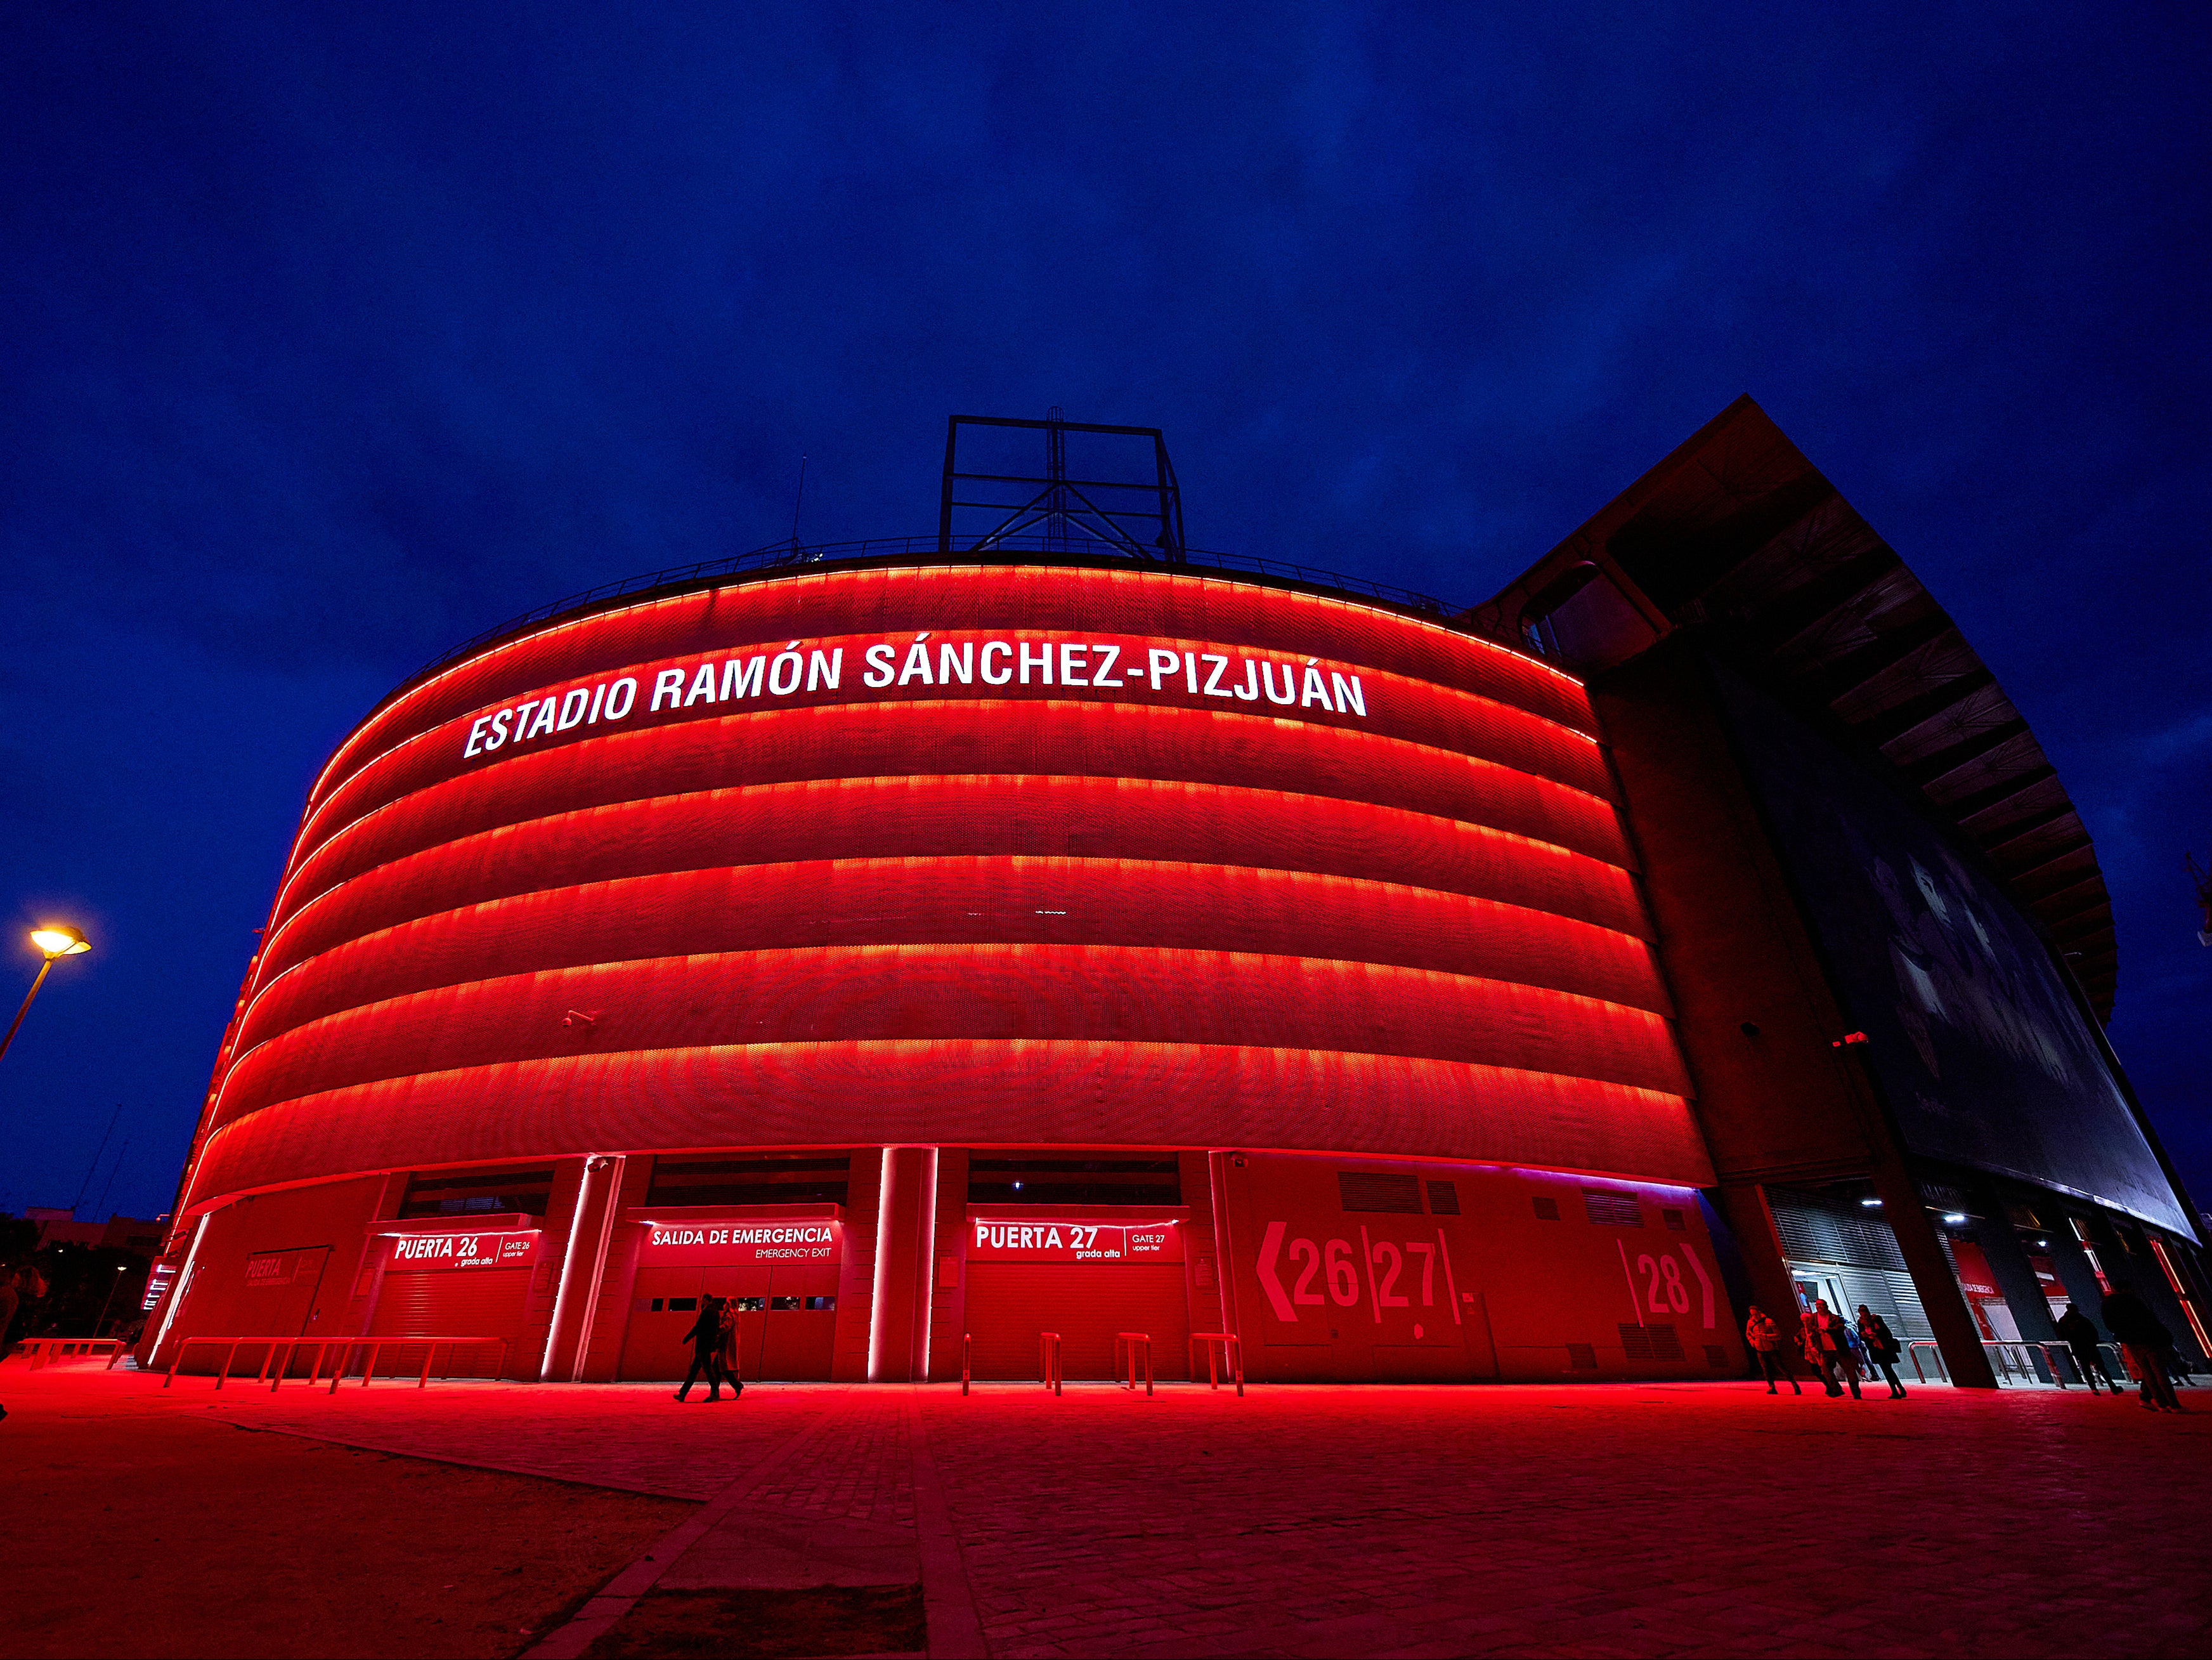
(1599, 1520)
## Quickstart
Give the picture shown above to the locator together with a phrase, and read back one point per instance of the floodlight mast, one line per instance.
(1053, 506)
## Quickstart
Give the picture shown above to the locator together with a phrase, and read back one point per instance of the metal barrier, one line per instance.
(1049, 1359)
(49, 1351)
(967, 1359)
(1132, 1341)
(1912, 1352)
(347, 1347)
(1231, 1349)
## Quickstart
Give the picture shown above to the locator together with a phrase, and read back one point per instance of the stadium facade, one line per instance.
(930, 949)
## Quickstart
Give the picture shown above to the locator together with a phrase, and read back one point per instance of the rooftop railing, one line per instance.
(788, 556)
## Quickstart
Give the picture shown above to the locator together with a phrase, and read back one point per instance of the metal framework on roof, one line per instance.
(1738, 535)
(1139, 518)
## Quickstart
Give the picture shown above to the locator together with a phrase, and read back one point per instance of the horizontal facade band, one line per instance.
(977, 817)
(952, 901)
(1029, 1094)
(949, 992)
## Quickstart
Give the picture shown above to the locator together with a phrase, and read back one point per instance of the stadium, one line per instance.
(1051, 928)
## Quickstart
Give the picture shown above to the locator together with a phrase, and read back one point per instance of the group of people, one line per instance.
(713, 1341)
(1839, 1351)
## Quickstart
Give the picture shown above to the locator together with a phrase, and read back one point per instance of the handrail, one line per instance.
(346, 1346)
(1912, 1354)
(778, 555)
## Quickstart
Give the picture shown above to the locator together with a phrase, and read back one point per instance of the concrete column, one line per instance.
(906, 1221)
(583, 1262)
(1948, 1317)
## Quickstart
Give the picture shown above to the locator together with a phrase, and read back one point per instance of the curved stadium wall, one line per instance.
(1015, 854)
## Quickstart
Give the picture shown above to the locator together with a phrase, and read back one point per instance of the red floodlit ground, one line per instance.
(1626, 1520)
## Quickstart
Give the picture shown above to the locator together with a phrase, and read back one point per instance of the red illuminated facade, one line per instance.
(816, 897)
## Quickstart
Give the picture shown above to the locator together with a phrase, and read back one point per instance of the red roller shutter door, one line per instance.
(1010, 1302)
(477, 1303)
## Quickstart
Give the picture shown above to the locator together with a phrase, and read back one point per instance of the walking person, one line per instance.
(1882, 1348)
(729, 1352)
(2143, 1342)
(1833, 1334)
(2079, 1333)
(1765, 1338)
(705, 1338)
(1808, 1345)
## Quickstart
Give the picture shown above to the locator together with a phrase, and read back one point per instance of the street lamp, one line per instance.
(121, 1268)
(56, 941)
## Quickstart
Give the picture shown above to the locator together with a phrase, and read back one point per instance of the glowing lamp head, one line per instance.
(60, 941)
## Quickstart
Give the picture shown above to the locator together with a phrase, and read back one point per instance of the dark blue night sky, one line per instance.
(329, 340)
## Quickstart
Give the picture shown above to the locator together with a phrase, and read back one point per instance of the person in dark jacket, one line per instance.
(1881, 1347)
(1833, 1334)
(706, 1339)
(1765, 1338)
(2143, 1342)
(2079, 1333)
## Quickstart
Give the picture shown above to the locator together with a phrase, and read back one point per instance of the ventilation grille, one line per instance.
(1651, 1342)
(1614, 1210)
(1582, 1357)
(1443, 1199)
(1370, 1190)
(1547, 1210)
(1716, 1355)
(1673, 1220)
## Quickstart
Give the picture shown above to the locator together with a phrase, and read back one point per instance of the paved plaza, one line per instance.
(1593, 1520)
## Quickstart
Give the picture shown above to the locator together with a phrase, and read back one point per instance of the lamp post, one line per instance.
(56, 942)
(121, 1268)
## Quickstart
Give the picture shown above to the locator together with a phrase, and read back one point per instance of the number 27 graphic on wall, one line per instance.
(1331, 1267)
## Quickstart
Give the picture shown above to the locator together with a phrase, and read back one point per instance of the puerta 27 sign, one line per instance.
(1061, 1241)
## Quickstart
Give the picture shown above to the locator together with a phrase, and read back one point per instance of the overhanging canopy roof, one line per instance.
(1738, 535)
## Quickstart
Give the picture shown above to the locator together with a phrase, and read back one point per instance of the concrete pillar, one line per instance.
(906, 1223)
(583, 1264)
(1952, 1321)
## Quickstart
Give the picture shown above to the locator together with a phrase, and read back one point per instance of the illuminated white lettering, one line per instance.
(1249, 691)
(1289, 683)
(625, 688)
(540, 721)
(703, 686)
(1349, 697)
(1315, 692)
(1052, 1239)
(963, 666)
(823, 671)
(1113, 655)
(598, 702)
(1042, 661)
(572, 709)
(1213, 686)
(775, 673)
(476, 736)
(498, 729)
(1163, 662)
(742, 679)
(668, 685)
(1003, 675)
(879, 669)
(1190, 672)
(1071, 659)
(917, 665)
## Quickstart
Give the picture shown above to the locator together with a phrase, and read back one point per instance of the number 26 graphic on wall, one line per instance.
(1331, 1267)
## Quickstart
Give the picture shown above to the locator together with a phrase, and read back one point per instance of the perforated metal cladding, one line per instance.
(1613, 1210)
(1650, 1342)
(984, 915)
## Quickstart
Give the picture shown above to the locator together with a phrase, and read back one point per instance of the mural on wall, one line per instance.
(1986, 1058)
